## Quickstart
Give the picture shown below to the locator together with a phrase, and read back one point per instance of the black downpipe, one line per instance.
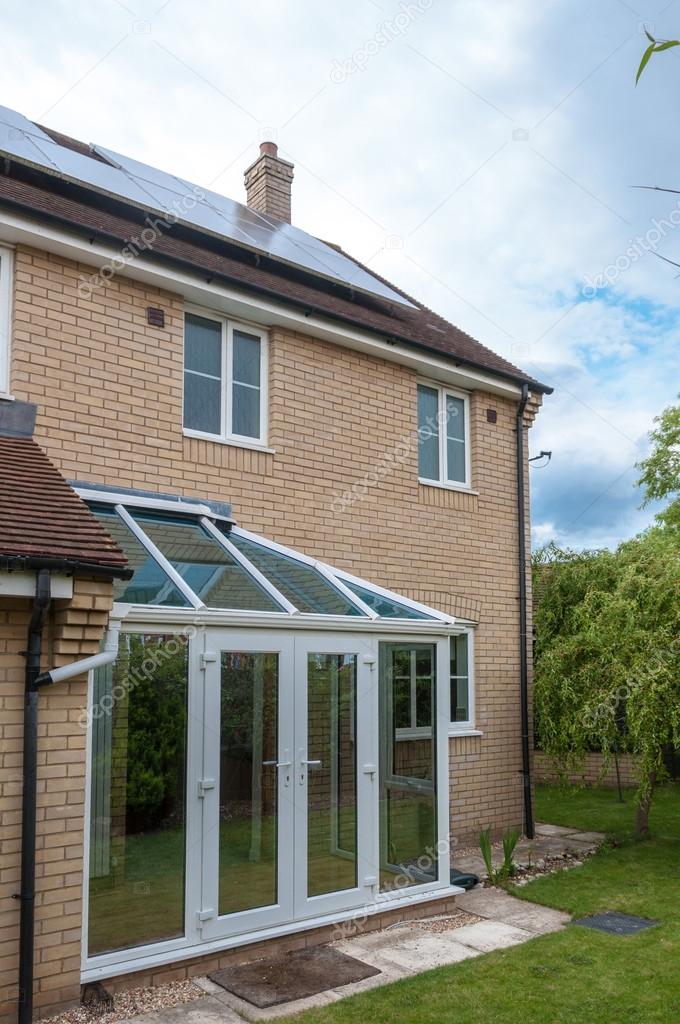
(28, 807)
(522, 565)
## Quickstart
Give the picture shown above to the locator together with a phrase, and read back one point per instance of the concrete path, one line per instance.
(400, 951)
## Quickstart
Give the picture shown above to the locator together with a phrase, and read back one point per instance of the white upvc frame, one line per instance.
(442, 393)
(199, 942)
(6, 278)
(226, 434)
(467, 727)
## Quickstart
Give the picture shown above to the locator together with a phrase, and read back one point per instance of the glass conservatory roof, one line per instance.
(190, 560)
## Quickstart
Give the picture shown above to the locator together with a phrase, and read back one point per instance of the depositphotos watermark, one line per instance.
(386, 32)
(144, 242)
(638, 247)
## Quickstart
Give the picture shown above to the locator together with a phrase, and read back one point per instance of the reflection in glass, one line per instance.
(149, 585)
(302, 584)
(386, 607)
(248, 781)
(332, 781)
(137, 823)
(211, 572)
(408, 809)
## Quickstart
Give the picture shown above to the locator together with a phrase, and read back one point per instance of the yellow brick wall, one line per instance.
(109, 390)
(74, 630)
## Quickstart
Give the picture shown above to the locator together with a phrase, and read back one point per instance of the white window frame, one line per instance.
(6, 278)
(442, 393)
(226, 434)
(467, 727)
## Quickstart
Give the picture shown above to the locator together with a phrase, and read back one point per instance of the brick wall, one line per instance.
(590, 774)
(74, 630)
(109, 390)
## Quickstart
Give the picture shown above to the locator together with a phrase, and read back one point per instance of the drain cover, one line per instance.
(615, 923)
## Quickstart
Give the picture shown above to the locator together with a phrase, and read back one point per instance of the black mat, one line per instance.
(615, 923)
(305, 972)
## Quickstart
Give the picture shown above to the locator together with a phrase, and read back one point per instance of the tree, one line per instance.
(661, 469)
(608, 656)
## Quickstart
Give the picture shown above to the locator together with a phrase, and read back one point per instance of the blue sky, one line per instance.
(480, 153)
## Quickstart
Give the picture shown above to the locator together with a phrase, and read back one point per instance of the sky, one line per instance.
(482, 154)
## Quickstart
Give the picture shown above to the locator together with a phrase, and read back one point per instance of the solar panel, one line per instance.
(165, 193)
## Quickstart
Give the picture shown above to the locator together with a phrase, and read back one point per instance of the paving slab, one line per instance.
(544, 829)
(208, 1010)
(497, 905)
(489, 935)
(587, 837)
(409, 949)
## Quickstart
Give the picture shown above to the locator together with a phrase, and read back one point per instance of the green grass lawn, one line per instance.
(572, 976)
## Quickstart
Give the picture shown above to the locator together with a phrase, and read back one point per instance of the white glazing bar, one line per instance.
(152, 504)
(329, 574)
(251, 569)
(158, 555)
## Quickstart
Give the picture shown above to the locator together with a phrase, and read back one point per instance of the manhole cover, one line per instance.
(616, 924)
(295, 975)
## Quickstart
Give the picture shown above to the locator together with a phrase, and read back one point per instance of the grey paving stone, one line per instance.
(489, 935)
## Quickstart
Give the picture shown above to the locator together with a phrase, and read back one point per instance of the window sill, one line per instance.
(464, 731)
(232, 442)
(463, 488)
(6, 397)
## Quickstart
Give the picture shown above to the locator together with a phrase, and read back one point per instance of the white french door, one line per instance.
(288, 782)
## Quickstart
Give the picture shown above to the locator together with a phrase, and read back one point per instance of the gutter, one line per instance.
(522, 573)
(67, 566)
(34, 681)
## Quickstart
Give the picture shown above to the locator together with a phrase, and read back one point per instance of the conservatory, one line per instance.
(269, 750)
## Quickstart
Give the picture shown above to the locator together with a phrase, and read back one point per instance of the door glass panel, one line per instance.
(137, 821)
(332, 779)
(248, 781)
(408, 807)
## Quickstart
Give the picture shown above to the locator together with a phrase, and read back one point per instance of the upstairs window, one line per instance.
(443, 437)
(5, 316)
(224, 379)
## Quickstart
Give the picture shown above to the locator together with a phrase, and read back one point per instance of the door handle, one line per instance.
(276, 764)
(314, 764)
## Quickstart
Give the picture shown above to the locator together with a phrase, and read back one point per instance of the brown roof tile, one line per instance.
(42, 517)
(419, 326)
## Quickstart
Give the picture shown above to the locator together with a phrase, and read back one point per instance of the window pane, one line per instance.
(246, 368)
(138, 771)
(214, 575)
(248, 834)
(203, 345)
(304, 587)
(455, 417)
(385, 606)
(245, 415)
(428, 433)
(408, 809)
(149, 585)
(460, 683)
(202, 403)
(455, 456)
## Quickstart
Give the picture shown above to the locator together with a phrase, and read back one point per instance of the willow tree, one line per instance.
(608, 657)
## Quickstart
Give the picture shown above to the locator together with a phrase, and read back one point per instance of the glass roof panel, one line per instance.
(212, 573)
(385, 607)
(302, 584)
(150, 584)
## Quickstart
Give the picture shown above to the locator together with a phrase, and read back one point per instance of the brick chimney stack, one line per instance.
(268, 183)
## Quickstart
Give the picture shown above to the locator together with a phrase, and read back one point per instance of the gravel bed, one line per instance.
(129, 1003)
(445, 923)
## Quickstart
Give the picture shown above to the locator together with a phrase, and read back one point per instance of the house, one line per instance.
(263, 594)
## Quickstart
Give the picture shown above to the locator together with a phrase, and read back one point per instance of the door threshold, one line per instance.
(385, 902)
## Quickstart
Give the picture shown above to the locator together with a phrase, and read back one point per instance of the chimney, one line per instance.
(268, 183)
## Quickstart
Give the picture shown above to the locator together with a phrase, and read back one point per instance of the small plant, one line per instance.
(508, 867)
(510, 840)
(486, 846)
